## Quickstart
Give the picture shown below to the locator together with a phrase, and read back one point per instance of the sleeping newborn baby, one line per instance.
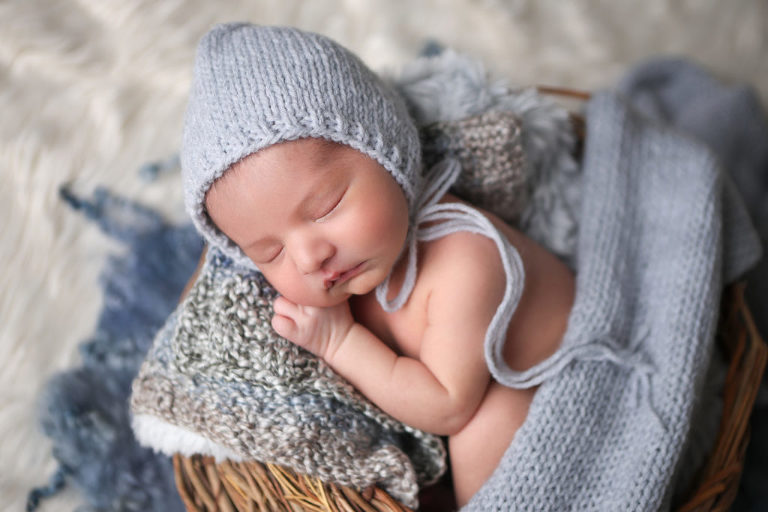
(301, 162)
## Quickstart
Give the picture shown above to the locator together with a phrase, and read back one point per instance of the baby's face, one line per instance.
(322, 221)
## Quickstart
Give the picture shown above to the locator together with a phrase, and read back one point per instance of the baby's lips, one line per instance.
(331, 278)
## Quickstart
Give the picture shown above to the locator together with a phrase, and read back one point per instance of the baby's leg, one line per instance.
(477, 449)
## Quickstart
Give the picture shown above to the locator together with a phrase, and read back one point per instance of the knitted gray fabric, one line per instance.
(451, 87)
(681, 93)
(494, 170)
(255, 86)
(607, 427)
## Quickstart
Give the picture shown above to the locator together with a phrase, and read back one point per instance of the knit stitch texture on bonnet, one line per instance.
(255, 86)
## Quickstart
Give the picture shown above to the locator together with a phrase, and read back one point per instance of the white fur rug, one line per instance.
(91, 89)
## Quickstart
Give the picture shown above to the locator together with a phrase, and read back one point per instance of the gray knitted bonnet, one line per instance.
(255, 86)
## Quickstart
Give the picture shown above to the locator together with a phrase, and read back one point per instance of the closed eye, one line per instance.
(275, 255)
(332, 208)
(271, 258)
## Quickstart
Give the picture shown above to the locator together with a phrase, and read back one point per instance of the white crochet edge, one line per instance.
(170, 439)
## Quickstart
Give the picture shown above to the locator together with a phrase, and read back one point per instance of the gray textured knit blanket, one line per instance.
(607, 428)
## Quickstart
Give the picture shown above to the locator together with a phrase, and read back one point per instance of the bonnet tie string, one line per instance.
(451, 218)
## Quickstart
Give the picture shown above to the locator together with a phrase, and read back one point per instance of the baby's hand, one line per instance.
(319, 330)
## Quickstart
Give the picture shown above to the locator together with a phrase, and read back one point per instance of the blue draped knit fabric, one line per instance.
(85, 410)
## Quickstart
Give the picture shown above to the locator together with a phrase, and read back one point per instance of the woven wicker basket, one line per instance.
(207, 486)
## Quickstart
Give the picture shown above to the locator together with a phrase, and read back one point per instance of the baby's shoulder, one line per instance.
(463, 262)
(460, 247)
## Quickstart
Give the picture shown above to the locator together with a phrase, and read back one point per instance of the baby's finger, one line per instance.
(284, 326)
(283, 306)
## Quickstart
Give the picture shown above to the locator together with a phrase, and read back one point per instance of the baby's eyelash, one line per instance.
(262, 258)
(273, 258)
(331, 209)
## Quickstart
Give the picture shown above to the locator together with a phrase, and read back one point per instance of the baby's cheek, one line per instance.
(387, 230)
(380, 222)
(285, 283)
(294, 287)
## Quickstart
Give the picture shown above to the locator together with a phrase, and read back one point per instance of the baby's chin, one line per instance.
(362, 284)
(329, 298)
(320, 300)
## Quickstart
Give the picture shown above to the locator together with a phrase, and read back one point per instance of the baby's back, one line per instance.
(541, 318)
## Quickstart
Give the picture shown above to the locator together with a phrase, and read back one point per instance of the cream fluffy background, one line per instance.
(91, 89)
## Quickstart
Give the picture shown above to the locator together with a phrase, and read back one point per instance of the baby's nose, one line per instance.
(311, 255)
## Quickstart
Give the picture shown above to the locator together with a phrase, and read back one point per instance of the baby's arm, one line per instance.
(440, 391)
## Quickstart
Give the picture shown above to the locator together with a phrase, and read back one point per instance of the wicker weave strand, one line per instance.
(207, 486)
(747, 353)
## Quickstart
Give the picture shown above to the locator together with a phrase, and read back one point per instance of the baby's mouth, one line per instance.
(337, 278)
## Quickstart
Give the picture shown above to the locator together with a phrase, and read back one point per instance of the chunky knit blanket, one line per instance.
(219, 381)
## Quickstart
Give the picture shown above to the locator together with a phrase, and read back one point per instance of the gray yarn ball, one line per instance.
(255, 86)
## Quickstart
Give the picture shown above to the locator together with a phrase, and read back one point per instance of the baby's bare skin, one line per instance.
(478, 440)
(325, 225)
